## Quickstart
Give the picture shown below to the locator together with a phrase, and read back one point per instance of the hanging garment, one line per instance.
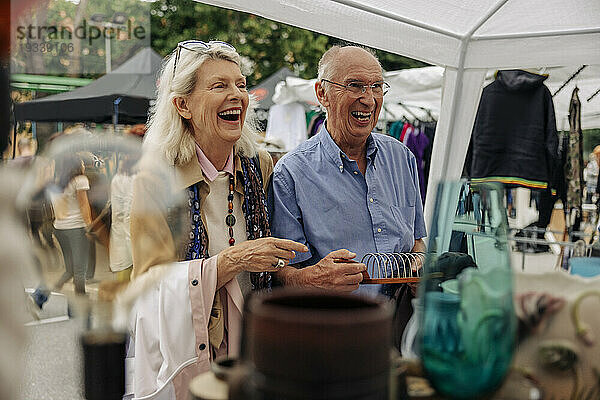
(514, 139)
(287, 122)
(417, 142)
(429, 130)
(315, 122)
(563, 155)
(574, 164)
(405, 131)
(396, 129)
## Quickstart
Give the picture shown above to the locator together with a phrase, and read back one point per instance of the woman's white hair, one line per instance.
(168, 133)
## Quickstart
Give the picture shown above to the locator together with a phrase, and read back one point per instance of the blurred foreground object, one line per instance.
(559, 354)
(304, 344)
(468, 326)
(16, 263)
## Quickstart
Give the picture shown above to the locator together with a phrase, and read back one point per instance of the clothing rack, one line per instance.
(578, 244)
(535, 229)
(427, 110)
(408, 110)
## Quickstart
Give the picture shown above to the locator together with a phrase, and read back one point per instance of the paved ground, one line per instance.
(53, 366)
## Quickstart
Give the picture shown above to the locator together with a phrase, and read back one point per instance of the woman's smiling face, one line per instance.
(217, 106)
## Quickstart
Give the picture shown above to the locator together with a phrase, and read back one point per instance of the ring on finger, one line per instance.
(280, 263)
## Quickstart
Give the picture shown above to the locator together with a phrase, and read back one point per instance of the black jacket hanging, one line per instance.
(514, 139)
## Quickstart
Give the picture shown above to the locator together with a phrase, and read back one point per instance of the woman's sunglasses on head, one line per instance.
(198, 45)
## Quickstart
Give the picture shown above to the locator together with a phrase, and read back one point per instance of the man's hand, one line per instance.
(336, 271)
(419, 247)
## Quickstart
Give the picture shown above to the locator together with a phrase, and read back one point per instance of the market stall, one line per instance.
(122, 96)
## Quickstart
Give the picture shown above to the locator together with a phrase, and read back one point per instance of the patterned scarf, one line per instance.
(255, 211)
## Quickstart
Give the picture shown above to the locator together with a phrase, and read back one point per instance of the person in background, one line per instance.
(121, 196)
(39, 217)
(99, 200)
(72, 217)
(590, 175)
(26, 147)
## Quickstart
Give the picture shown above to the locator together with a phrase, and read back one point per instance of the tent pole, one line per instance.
(584, 31)
(447, 139)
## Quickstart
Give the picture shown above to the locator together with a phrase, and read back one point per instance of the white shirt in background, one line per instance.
(287, 122)
(66, 206)
(121, 196)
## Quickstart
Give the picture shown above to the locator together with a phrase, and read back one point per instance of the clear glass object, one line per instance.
(467, 327)
(77, 267)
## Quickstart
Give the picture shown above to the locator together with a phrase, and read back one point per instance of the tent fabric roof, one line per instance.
(464, 33)
(134, 81)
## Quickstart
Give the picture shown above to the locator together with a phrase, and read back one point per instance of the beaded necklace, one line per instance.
(230, 218)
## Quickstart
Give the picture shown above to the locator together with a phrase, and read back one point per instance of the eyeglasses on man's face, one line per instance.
(198, 46)
(377, 88)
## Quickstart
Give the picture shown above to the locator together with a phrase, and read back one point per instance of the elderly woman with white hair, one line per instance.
(201, 126)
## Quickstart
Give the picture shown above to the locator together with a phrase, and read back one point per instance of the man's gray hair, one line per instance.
(326, 68)
(171, 135)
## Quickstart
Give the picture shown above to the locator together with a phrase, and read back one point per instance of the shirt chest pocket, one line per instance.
(403, 227)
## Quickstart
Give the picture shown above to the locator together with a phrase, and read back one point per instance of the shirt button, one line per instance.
(195, 282)
(202, 346)
(379, 230)
(355, 172)
(371, 200)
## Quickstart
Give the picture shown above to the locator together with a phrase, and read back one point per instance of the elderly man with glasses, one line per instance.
(347, 191)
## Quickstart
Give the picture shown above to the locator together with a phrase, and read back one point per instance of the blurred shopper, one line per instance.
(99, 199)
(39, 216)
(26, 148)
(72, 216)
(121, 196)
(590, 175)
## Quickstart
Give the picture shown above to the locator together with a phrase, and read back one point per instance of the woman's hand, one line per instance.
(259, 255)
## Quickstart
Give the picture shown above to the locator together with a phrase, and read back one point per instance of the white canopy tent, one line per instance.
(420, 89)
(466, 37)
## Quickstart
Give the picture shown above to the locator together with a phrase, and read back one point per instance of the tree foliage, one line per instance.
(268, 45)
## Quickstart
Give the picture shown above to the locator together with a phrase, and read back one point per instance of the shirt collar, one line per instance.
(208, 168)
(334, 151)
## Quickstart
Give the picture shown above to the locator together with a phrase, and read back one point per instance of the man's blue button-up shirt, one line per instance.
(320, 198)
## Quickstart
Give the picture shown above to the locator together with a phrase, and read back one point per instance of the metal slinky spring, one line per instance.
(394, 265)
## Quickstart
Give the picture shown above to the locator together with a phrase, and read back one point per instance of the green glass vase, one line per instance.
(468, 325)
